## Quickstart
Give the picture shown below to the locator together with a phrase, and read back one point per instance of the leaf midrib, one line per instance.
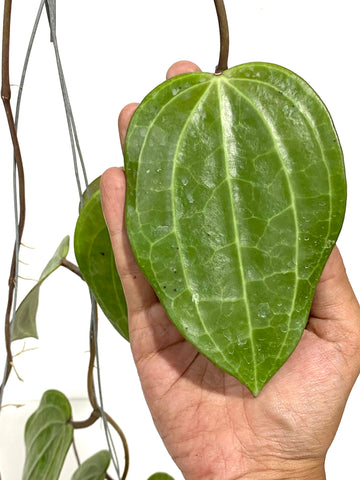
(237, 241)
(309, 121)
(293, 203)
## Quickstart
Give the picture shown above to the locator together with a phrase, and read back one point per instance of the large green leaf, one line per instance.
(96, 261)
(94, 468)
(48, 436)
(25, 318)
(235, 197)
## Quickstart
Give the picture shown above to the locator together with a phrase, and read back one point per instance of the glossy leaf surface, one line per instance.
(25, 317)
(48, 436)
(235, 197)
(94, 468)
(96, 261)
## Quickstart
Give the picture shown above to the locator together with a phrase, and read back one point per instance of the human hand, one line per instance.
(210, 423)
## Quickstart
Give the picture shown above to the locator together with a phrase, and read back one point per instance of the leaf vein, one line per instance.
(176, 223)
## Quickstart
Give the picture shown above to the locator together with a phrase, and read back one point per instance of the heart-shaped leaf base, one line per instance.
(235, 197)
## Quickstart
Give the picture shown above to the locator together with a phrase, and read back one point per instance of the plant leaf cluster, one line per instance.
(48, 436)
(97, 266)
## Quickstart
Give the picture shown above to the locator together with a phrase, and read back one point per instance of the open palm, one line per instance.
(211, 424)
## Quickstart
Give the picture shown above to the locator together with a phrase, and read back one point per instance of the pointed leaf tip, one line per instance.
(24, 325)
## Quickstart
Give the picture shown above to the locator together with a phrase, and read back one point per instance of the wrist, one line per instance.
(263, 469)
(286, 470)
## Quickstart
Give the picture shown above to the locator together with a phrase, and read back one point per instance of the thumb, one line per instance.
(138, 292)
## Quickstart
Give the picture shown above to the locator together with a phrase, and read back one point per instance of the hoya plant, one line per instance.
(236, 195)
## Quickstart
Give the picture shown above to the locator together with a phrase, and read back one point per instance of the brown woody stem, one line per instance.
(72, 267)
(96, 413)
(224, 37)
(6, 96)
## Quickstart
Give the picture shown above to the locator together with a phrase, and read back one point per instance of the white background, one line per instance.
(115, 52)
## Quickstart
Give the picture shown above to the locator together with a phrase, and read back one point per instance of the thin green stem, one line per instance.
(224, 37)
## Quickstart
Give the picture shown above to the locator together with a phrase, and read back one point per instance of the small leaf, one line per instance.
(25, 317)
(235, 197)
(160, 476)
(94, 468)
(96, 261)
(48, 436)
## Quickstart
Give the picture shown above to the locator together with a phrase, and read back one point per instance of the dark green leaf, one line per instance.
(48, 436)
(160, 476)
(235, 197)
(94, 468)
(96, 261)
(25, 317)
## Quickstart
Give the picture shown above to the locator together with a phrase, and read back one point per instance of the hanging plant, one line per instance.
(236, 195)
